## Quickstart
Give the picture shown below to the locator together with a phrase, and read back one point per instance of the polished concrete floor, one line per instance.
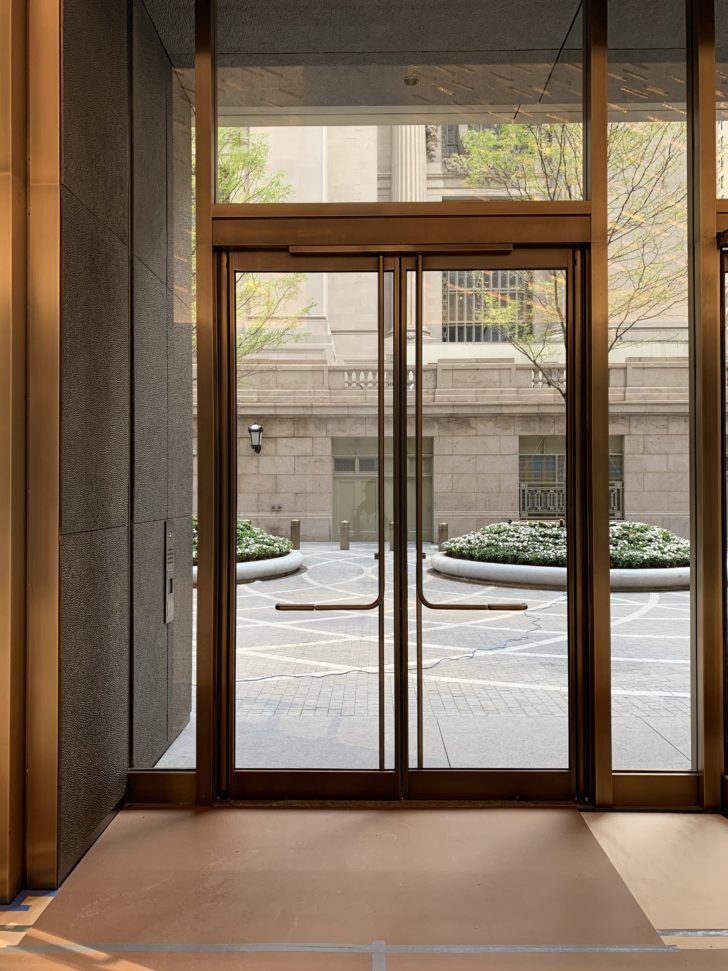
(398, 889)
(495, 684)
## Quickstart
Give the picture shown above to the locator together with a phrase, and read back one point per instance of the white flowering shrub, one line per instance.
(635, 545)
(252, 543)
(536, 543)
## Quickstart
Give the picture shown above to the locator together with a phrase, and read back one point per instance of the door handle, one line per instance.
(418, 469)
(357, 606)
(379, 599)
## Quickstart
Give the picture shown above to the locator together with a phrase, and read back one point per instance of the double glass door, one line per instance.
(398, 453)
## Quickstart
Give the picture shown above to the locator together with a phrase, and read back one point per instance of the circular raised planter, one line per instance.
(554, 577)
(279, 566)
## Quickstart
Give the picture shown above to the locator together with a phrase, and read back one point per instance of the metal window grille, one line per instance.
(466, 295)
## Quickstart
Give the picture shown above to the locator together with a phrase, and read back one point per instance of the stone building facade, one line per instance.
(481, 450)
(494, 428)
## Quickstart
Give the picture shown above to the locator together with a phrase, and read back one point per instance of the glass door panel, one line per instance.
(313, 657)
(489, 688)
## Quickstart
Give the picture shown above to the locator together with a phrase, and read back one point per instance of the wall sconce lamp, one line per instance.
(256, 436)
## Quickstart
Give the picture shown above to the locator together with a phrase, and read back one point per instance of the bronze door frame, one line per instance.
(310, 784)
(403, 781)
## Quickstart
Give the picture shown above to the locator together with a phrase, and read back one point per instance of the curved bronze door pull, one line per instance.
(379, 599)
(419, 474)
(368, 606)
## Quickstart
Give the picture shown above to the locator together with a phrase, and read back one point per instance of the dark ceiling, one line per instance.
(370, 26)
(296, 53)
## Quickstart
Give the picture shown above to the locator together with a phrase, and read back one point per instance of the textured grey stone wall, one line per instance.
(118, 486)
(162, 461)
(94, 553)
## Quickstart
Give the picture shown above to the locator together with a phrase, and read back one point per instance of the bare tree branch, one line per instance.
(647, 233)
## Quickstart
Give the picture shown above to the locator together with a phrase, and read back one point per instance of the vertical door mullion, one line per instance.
(381, 518)
(228, 518)
(207, 406)
(706, 403)
(418, 501)
(577, 523)
(399, 490)
(723, 271)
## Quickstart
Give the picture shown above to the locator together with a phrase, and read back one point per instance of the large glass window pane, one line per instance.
(495, 685)
(164, 480)
(425, 102)
(309, 684)
(649, 393)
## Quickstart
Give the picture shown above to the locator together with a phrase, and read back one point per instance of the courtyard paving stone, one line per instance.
(495, 684)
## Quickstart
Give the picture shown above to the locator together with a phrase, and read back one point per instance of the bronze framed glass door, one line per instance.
(379, 410)
(490, 651)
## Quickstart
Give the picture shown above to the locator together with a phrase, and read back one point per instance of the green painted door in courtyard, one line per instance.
(354, 462)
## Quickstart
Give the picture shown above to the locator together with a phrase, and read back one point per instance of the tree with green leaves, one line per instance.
(269, 312)
(242, 168)
(647, 235)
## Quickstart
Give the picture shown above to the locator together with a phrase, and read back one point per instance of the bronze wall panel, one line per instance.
(13, 243)
(44, 310)
(595, 708)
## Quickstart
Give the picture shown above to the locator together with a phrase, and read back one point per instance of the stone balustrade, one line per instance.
(487, 381)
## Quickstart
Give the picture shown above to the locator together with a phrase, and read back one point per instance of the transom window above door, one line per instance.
(326, 112)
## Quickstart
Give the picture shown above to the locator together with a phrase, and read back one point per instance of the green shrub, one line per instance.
(252, 543)
(534, 543)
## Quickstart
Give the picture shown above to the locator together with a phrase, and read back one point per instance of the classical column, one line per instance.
(409, 163)
(409, 184)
